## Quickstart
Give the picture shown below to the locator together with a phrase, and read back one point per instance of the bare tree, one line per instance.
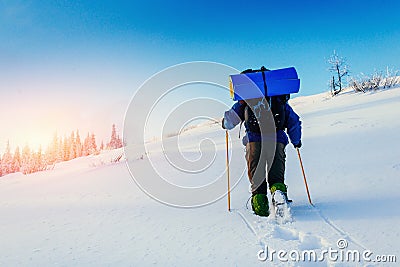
(376, 80)
(356, 85)
(391, 78)
(339, 69)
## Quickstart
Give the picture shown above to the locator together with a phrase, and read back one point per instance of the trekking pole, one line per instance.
(304, 175)
(227, 170)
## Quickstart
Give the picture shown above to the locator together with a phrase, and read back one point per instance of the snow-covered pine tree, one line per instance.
(17, 160)
(26, 163)
(92, 145)
(89, 145)
(66, 148)
(39, 161)
(115, 141)
(119, 142)
(60, 152)
(72, 151)
(78, 144)
(52, 150)
(7, 161)
(86, 144)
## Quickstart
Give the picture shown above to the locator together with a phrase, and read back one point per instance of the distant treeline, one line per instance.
(60, 149)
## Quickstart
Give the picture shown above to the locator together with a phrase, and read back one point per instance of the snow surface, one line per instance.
(90, 212)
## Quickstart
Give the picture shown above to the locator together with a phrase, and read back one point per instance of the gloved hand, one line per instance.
(223, 125)
(298, 145)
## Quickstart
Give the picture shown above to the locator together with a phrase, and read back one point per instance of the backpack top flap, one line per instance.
(259, 83)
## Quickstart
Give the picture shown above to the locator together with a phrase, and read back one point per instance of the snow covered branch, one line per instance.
(375, 81)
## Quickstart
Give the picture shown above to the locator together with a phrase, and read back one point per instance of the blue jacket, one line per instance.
(235, 115)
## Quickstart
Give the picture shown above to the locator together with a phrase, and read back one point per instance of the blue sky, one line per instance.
(90, 56)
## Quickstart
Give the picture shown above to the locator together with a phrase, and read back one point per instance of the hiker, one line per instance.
(289, 125)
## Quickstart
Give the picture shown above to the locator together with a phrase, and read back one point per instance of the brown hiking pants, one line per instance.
(256, 167)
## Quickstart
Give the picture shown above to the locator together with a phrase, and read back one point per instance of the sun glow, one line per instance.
(32, 137)
(37, 140)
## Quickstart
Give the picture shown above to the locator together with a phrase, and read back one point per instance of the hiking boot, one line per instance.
(259, 203)
(279, 194)
(279, 198)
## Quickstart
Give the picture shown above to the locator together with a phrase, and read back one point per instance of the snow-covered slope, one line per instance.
(89, 212)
